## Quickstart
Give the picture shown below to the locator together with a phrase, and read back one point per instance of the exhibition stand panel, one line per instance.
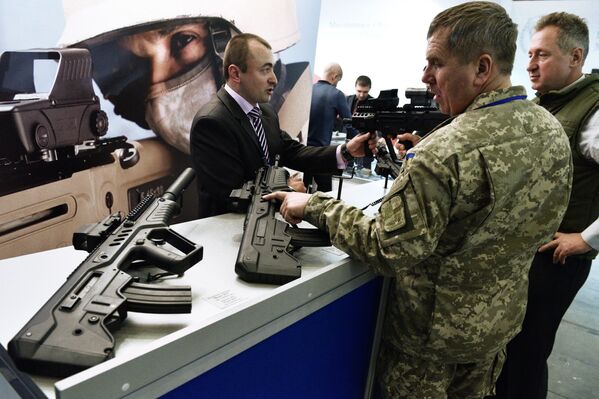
(312, 337)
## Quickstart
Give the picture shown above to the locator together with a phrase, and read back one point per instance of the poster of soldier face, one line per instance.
(157, 64)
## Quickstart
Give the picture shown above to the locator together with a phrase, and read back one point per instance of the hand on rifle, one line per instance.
(293, 205)
(405, 137)
(356, 145)
(296, 183)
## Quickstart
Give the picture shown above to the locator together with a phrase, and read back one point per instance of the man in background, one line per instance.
(328, 103)
(363, 85)
(557, 52)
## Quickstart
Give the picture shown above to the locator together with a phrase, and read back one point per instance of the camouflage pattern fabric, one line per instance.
(459, 227)
(404, 376)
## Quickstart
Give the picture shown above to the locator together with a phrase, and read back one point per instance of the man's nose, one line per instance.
(272, 79)
(427, 77)
(532, 64)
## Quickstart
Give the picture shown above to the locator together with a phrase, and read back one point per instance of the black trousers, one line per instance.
(552, 288)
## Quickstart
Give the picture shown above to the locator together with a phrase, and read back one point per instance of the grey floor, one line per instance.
(574, 363)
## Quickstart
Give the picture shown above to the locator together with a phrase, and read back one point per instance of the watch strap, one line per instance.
(346, 154)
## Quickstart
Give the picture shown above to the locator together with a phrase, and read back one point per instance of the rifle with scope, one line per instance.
(49, 134)
(60, 166)
(72, 330)
(383, 116)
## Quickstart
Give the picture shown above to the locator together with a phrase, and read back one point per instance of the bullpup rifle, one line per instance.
(72, 330)
(265, 251)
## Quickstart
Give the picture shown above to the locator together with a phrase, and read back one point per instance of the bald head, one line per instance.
(333, 73)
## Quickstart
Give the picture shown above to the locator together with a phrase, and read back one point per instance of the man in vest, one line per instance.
(557, 52)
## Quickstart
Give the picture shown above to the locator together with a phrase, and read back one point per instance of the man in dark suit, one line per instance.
(237, 131)
(362, 85)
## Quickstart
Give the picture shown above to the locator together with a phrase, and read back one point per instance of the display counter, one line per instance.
(312, 337)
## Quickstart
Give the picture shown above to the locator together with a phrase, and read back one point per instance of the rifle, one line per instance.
(58, 168)
(385, 164)
(265, 251)
(72, 330)
(382, 115)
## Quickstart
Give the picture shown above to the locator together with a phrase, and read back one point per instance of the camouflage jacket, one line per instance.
(460, 225)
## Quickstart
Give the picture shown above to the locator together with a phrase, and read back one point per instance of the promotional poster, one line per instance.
(151, 67)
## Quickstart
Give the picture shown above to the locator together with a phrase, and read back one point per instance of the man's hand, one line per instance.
(566, 244)
(293, 205)
(412, 138)
(296, 183)
(356, 145)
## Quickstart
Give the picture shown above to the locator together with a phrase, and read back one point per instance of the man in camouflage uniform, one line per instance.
(462, 221)
(557, 52)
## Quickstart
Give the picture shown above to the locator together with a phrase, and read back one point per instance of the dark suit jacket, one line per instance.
(225, 151)
(351, 101)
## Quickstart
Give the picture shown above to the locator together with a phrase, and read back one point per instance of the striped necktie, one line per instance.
(256, 120)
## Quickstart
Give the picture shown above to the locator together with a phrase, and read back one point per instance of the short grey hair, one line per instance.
(573, 31)
(476, 28)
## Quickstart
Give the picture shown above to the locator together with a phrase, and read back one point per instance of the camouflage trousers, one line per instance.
(403, 376)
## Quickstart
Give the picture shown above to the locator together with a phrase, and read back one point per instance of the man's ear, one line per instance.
(483, 69)
(234, 72)
(576, 57)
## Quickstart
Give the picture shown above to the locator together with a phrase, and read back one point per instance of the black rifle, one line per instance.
(385, 164)
(264, 253)
(71, 332)
(382, 115)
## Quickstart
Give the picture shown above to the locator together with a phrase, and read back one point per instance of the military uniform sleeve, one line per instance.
(411, 219)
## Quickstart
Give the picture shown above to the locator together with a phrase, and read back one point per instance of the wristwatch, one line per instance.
(345, 153)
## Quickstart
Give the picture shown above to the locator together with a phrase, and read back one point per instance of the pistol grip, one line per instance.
(152, 250)
(406, 143)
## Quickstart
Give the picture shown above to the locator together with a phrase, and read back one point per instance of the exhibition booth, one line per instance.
(96, 127)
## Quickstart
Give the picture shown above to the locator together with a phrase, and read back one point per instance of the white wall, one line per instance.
(386, 39)
(28, 24)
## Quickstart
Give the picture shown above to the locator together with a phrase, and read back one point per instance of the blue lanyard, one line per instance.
(502, 101)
